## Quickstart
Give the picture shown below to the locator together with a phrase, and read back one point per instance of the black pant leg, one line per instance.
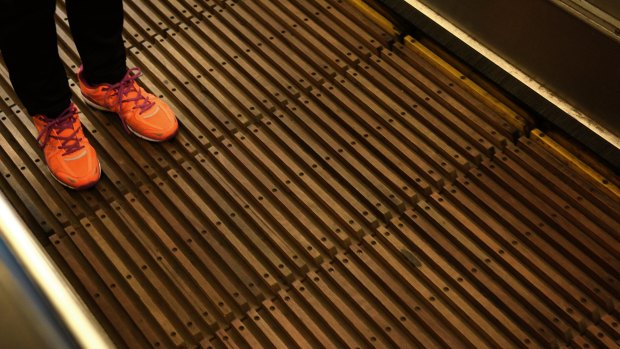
(97, 28)
(29, 48)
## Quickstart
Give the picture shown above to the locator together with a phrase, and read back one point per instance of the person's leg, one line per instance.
(97, 28)
(29, 48)
(105, 82)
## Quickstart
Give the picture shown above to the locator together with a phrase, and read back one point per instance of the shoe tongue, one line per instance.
(66, 132)
(135, 95)
(66, 127)
(134, 92)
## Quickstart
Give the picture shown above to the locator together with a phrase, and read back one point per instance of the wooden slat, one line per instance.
(329, 187)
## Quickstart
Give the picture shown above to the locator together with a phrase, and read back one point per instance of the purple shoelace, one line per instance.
(124, 87)
(71, 143)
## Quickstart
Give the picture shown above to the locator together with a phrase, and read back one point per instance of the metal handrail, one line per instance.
(44, 273)
(532, 83)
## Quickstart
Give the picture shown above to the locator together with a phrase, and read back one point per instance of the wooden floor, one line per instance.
(326, 190)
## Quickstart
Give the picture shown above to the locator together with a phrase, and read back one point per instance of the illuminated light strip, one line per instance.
(506, 113)
(573, 162)
(517, 73)
(41, 269)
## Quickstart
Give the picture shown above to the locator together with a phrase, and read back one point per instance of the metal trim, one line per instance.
(516, 73)
(80, 322)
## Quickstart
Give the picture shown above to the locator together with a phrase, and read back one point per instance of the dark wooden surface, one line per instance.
(323, 191)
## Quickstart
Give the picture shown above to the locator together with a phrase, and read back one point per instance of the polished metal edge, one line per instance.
(605, 22)
(518, 74)
(44, 273)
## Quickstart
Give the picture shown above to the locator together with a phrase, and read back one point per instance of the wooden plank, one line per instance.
(329, 187)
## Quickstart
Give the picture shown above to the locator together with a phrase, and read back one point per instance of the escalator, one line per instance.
(335, 183)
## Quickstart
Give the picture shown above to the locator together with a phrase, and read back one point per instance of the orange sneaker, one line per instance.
(142, 113)
(71, 159)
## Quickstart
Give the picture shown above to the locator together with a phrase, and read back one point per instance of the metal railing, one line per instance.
(45, 275)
